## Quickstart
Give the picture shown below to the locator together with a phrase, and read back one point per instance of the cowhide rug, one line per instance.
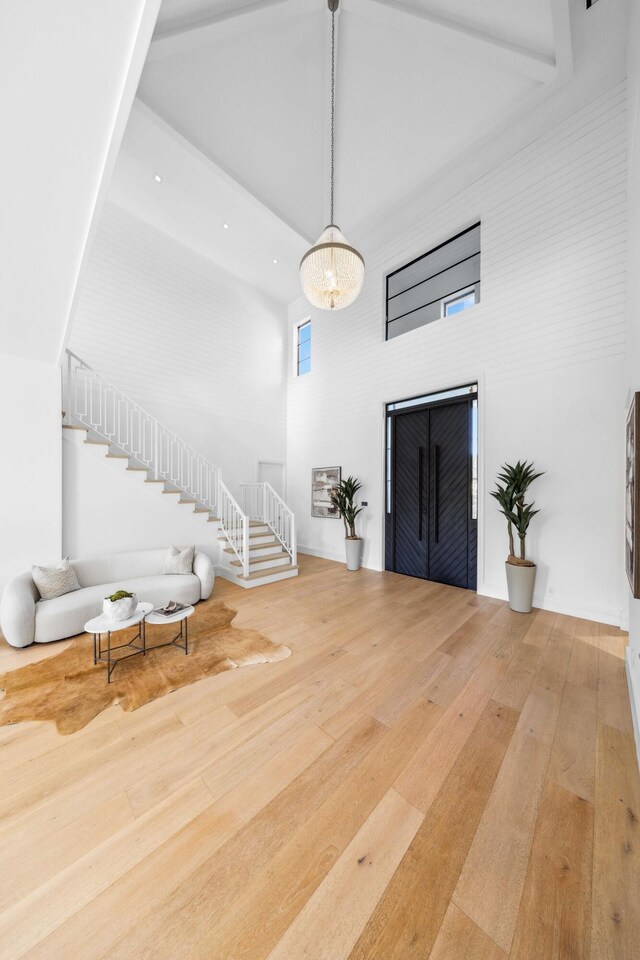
(71, 691)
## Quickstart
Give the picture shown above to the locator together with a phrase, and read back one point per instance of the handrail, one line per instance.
(235, 525)
(261, 502)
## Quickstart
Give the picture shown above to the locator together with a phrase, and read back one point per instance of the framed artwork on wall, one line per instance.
(324, 482)
(632, 497)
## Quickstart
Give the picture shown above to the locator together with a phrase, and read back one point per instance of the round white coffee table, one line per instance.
(181, 617)
(100, 625)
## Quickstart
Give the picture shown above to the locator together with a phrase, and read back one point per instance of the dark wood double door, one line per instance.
(431, 527)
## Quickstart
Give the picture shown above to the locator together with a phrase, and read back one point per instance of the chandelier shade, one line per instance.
(331, 272)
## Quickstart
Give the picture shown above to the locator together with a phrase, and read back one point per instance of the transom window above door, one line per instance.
(441, 283)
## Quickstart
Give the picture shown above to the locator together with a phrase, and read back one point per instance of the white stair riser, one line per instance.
(265, 564)
(270, 577)
(254, 542)
(255, 552)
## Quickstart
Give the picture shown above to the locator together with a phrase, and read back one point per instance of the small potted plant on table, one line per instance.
(120, 605)
(513, 483)
(343, 501)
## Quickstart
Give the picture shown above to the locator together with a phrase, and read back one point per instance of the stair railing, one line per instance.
(235, 525)
(261, 502)
(91, 401)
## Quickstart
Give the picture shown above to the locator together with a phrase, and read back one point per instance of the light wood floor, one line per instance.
(429, 775)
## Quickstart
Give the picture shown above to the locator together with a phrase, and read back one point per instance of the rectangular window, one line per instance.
(303, 362)
(441, 283)
(459, 301)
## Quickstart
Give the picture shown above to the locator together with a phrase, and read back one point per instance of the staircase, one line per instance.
(256, 541)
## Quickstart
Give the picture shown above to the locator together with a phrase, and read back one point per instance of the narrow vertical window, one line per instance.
(388, 460)
(474, 460)
(304, 348)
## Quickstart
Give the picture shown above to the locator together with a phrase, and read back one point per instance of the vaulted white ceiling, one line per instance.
(240, 88)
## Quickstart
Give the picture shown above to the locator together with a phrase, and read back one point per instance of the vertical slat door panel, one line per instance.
(449, 494)
(410, 495)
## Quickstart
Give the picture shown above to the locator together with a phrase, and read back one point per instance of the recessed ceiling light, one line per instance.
(157, 178)
(226, 226)
(275, 261)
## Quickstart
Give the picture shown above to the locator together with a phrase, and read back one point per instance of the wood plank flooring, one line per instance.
(428, 776)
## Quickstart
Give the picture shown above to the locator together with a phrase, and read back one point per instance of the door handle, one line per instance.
(436, 493)
(420, 488)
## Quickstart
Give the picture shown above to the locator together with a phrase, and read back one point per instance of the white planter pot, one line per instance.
(520, 584)
(354, 553)
(120, 609)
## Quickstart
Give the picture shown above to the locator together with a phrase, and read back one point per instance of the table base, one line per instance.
(112, 662)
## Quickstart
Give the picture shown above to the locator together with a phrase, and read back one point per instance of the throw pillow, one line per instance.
(179, 561)
(55, 581)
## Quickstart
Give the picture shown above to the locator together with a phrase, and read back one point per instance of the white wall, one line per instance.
(68, 75)
(633, 315)
(546, 346)
(108, 509)
(200, 350)
(30, 484)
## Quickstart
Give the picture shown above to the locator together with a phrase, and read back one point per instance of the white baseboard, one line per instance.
(552, 602)
(633, 679)
(337, 557)
(556, 604)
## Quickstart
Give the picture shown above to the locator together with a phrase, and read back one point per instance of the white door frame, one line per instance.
(478, 379)
(274, 463)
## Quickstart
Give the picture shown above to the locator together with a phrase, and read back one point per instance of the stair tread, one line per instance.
(71, 426)
(117, 456)
(98, 443)
(139, 469)
(187, 501)
(257, 546)
(155, 481)
(171, 491)
(270, 556)
(269, 572)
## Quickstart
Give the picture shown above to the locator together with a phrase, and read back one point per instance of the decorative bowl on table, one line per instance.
(121, 605)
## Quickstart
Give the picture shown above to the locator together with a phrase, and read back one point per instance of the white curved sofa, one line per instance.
(25, 618)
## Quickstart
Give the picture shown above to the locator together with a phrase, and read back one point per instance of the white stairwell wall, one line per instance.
(107, 508)
(198, 349)
(30, 494)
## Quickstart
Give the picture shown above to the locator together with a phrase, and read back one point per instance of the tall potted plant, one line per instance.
(511, 488)
(343, 501)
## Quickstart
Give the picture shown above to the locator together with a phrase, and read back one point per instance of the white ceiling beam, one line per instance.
(228, 23)
(561, 20)
(468, 39)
